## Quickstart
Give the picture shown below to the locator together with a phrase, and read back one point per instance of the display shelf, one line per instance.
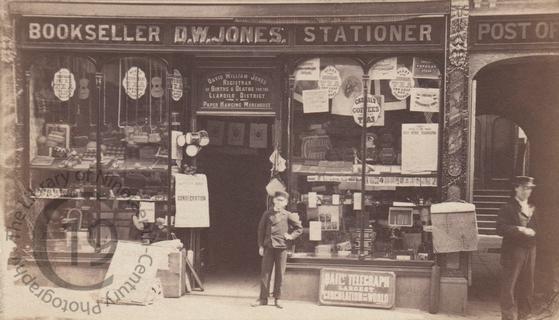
(159, 165)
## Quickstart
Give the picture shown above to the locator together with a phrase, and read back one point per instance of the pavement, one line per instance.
(225, 297)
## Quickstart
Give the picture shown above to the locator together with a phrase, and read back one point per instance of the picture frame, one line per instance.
(400, 217)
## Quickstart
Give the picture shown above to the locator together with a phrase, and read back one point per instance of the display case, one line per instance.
(399, 146)
(99, 149)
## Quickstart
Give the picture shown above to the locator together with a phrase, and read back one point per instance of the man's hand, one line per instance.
(261, 251)
(287, 236)
(527, 231)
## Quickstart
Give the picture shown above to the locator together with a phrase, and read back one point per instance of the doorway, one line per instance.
(501, 152)
(238, 170)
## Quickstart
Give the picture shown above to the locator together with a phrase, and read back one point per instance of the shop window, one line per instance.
(401, 155)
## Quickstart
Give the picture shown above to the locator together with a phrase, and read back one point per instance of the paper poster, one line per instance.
(352, 86)
(315, 231)
(329, 216)
(63, 84)
(384, 69)
(336, 199)
(402, 85)
(308, 70)
(135, 83)
(313, 200)
(215, 130)
(454, 227)
(420, 147)
(236, 134)
(176, 85)
(425, 69)
(357, 201)
(375, 112)
(258, 137)
(279, 164)
(425, 100)
(315, 101)
(176, 151)
(147, 212)
(330, 80)
(192, 201)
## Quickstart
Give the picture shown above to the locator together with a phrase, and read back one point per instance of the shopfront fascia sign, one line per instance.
(359, 288)
(177, 34)
(236, 90)
(500, 32)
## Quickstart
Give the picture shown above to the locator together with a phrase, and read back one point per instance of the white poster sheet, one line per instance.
(384, 69)
(315, 231)
(425, 100)
(420, 147)
(315, 101)
(258, 137)
(176, 151)
(192, 201)
(454, 227)
(308, 70)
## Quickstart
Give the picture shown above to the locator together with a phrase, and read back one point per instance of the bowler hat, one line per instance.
(523, 181)
(281, 194)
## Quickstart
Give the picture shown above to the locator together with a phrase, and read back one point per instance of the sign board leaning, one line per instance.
(358, 288)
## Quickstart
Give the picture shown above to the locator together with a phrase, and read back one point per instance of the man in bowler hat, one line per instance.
(517, 224)
(273, 233)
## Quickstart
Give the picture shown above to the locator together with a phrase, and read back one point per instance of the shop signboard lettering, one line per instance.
(177, 34)
(423, 31)
(521, 29)
(236, 91)
(359, 288)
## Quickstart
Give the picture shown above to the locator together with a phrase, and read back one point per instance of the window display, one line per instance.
(98, 144)
(401, 157)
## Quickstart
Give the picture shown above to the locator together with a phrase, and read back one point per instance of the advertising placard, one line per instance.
(135, 83)
(192, 201)
(425, 100)
(402, 85)
(330, 80)
(375, 111)
(358, 288)
(63, 84)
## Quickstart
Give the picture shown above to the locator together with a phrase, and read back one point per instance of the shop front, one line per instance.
(346, 112)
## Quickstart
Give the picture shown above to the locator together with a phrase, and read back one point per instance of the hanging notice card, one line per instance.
(176, 85)
(402, 85)
(135, 83)
(420, 147)
(384, 69)
(308, 70)
(330, 80)
(375, 111)
(425, 100)
(425, 69)
(63, 84)
(236, 134)
(191, 197)
(315, 101)
(315, 231)
(258, 135)
(454, 227)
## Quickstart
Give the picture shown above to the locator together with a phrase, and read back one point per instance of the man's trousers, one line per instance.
(517, 282)
(277, 257)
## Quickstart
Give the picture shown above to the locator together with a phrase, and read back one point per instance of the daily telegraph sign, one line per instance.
(358, 288)
(176, 34)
